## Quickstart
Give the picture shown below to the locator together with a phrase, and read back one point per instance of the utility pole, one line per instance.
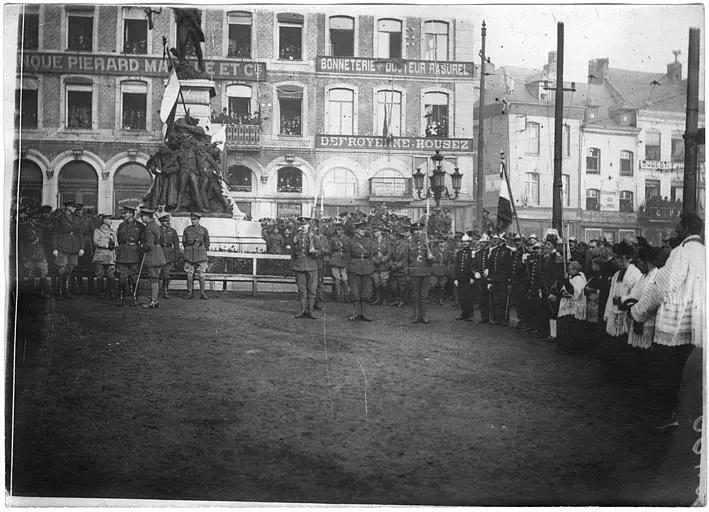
(689, 195)
(480, 189)
(556, 217)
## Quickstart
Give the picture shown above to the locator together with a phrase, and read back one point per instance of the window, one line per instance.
(341, 36)
(239, 178)
(676, 194)
(290, 36)
(28, 31)
(135, 31)
(593, 199)
(566, 141)
(626, 201)
(341, 113)
(290, 101)
(532, 130)
(626, 163)
(339, 182)
(26, 103)
(239, 34)
(290, 179)
(435, 40)
(532, 188)
(135, 96)
(80, 29)
(566, 190)
(436, 108)
(388, 117)
(677, 146)
(78, 182)
(389, 39)
(289, 210)
(652, 189)
(652, 146)
(129, 185)
(593, 161)
(239, 104)
(79, 106)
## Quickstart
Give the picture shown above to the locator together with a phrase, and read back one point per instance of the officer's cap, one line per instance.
(45, 208)
(147, 211)
(572, 239)
(104, 215)
(484, 238)
(128, 208)
(195, 215)
(495, 235)
(70, 203)
(459, 234)
(533, 235)
(417, 225)
(164, 216)
(303, 218)
(537, 245)
(517, 237)
(465, 238)
(78, 206)
(360, 224)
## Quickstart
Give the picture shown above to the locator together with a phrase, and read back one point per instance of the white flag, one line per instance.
(169, 99)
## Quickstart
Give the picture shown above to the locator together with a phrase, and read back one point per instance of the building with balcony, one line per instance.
(335, 108)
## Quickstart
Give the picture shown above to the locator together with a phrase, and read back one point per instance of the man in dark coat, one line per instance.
(500, 265)
(304, 253)
(480, 273)
(67, 245)
(170, 243)
(338, 263)
(464, 279)
(420, 260)
(154, 258)
(358, 252)
(128, 234)
(195, 239)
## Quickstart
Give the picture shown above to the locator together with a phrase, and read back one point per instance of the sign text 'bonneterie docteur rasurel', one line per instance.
(411, 68)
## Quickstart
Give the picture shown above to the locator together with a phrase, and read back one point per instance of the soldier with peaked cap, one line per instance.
(170, 243)
(67, 244)
(104, 239)
(324, 251)
(464, 279)
(195, 239)
(154, 258)
(304, 253)
(338, 263)
(500, 265)
(359, 250)
(480, 273)
(381, 248)
(398, 263)
(517, 277)
(128, 235)
(419, 271)
(32, 252)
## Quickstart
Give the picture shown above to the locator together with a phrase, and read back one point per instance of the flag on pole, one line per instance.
(169, 99)
(504, 204)
(385, 129)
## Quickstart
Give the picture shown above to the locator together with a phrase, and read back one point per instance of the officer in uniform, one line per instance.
(536, 305)
(195, 239)
(154, 259)
(43, 224)
(438, 269)
(170, 243)
(500, 265)
(67, 245)
(464, 279)
(85, 268)
(519, 296)
(324, 252)
(359, 250)
(304, 253)
(381, 249)
(481, 271)
(32, 253)
(104, 242)
(398, 263)
(128, 234)
(420, 260)
(338, 263)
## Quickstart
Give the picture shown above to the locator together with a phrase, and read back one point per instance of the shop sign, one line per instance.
(411, 68)
(661, 165)
(405, 143)
(47, 62)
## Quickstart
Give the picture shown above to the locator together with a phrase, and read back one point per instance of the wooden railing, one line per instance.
(243, 135)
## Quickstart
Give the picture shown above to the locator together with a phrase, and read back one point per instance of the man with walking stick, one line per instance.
(500, 265)
(128, 234)
(195, 239)
(153, 257)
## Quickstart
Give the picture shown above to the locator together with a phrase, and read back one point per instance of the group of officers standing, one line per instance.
(403, 261)
(52, 244)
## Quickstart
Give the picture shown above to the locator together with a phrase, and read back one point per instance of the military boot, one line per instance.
(121, 294)
(190, 287)
(67, 287)
(202, 288)
(422, 312)
(415, 319)
(165, 285)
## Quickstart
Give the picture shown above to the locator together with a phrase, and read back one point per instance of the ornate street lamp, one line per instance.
(437, 189)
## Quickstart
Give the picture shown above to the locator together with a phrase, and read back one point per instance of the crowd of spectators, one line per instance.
(227, 116)
(437, 129)
(80, 116)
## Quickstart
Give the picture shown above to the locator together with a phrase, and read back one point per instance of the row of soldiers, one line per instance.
(375, 262)
(143, 242)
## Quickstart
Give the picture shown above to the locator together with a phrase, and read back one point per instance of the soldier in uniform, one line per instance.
(438, 269)
(518, 294)
(359, 250)
(381, 249)
(536, 304)
(464, 280)
(481, 271)
(195, 239)
(67, 245)
(104, 258)
(398, 263)
(324, 252)
(32, 254)
(500, 265)
(338, 263)
(170, 243)
(420, 260)
(128, 235)
(85, 268)
(304, 253)
(552, 276)
(154, 259)
(43, 225)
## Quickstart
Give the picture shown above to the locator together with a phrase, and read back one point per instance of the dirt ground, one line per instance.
(234, 399)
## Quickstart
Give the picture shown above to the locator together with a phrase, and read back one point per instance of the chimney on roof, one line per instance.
(597, 70)
(674, 69)
(550, 66)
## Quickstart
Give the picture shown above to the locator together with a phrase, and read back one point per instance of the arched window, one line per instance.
(290, 179)
(435, 40)
(435, 106)
(341, 110)
(342, 36)
(390, 182)
(240, 178)
(389, 39)
(130, 183)
(78, 182)
(339, 182)
(239, 101)
(29, 181)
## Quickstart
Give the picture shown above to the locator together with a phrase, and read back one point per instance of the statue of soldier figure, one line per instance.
(189, 29)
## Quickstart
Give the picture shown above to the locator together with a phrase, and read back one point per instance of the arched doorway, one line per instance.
(78, 182)
(28, 176)
(130, 183)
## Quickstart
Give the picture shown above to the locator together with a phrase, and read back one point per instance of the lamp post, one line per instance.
(437, 189)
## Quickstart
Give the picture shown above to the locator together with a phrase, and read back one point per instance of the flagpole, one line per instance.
(509, 190)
